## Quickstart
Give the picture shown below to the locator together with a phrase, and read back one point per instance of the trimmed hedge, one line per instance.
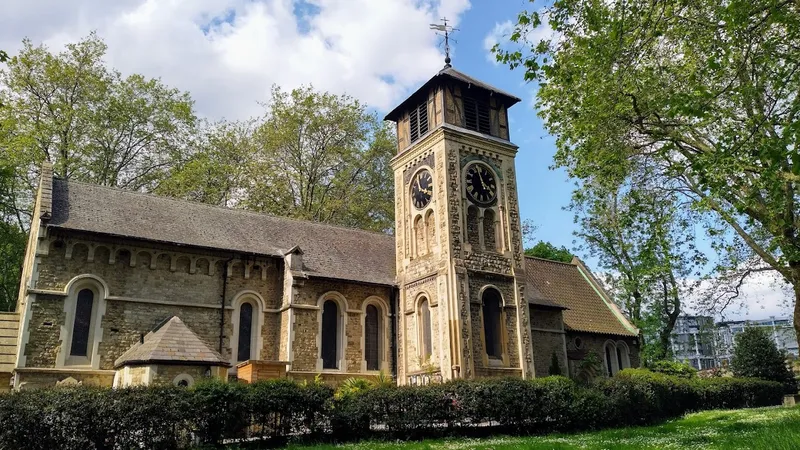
(211, 413)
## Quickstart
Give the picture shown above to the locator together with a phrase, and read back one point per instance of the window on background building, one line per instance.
(372, 338)
(330, 335)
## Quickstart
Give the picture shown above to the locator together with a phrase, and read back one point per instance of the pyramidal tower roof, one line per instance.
(448, 73)
(172, 342)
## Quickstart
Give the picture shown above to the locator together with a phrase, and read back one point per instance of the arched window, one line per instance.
(615, 358)
(489, 231)
(372, 338)
(491, 323)
(247, 323)
(84, 308)
(426, 346)
(330, 335)
(245, 343)
(623, 361)
(183, 380)
(82, 325)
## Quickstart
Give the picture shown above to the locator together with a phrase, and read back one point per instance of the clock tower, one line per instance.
(462, 311)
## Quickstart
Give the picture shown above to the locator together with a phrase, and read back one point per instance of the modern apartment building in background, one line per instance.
(703, 344)
(693, 341)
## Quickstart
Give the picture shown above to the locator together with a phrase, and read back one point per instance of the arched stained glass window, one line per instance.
(491, 323)
(245, 344)
(330, 335)
(81, 328)
(372, 338)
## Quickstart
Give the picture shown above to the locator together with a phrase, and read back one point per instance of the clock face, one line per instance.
(481, 185)
(421, 189)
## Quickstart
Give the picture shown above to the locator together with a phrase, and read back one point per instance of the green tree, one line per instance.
(12, 240)
(546, 250)
(217, 170)
(92, 123)
(314, 156)
(645, 241)
(706, 93)
(756, 355)
(555, 366)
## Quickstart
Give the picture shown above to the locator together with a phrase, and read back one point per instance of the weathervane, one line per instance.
(446, 29)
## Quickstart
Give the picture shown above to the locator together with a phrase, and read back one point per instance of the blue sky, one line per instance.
(229, 53)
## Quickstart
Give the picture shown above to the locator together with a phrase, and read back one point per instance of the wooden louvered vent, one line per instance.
(418, 121)
(476, 115)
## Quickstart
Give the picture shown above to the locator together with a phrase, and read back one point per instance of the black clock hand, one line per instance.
(482, 182)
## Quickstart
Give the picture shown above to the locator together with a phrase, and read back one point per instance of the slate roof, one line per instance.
(587, 309)
(172, 342)
(328, 251)
(450, 73)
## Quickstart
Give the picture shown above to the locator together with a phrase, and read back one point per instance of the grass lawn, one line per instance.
(763, 428)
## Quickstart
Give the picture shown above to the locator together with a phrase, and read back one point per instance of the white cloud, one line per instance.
(762, 295)
(228, 53)
(499, 34)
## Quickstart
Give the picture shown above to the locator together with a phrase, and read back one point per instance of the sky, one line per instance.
(228, 54)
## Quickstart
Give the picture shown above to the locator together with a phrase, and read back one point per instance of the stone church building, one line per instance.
(123, 288)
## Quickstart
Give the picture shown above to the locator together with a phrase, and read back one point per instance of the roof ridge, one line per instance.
(550, 260)
(224, 208)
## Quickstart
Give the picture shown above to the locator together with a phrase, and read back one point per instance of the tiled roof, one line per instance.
(535, 297)
(587, 308)
(172, 342)
(328, 251)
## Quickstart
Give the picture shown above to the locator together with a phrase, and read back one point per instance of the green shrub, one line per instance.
(756, 356)
(674, 368)
(731, 393)
(162, 417)
(87, 417)
(220, 410)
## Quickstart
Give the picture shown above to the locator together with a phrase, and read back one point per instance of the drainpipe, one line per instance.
(222, 303)
(393, 312)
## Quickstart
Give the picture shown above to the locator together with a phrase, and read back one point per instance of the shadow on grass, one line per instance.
(761, 428)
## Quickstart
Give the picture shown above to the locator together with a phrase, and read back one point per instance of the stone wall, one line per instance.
(305, 347)
(165, 374)
(32, 379)
(46, 318)
(547, 319)
(544, 345)
(147, 283)
(593, 343)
